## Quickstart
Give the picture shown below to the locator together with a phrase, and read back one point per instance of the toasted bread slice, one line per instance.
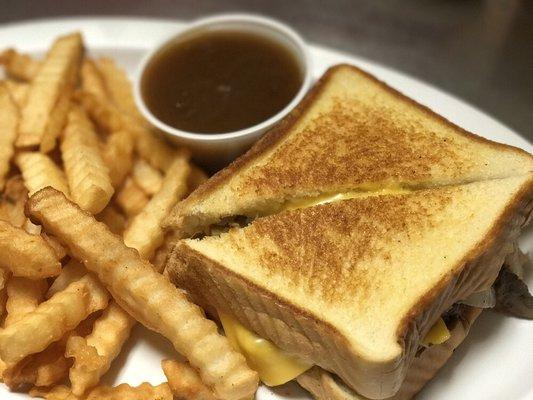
(352, 132)
(325, 386)
(352, 285)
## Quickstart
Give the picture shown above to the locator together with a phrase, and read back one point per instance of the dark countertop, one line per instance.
(481, 51)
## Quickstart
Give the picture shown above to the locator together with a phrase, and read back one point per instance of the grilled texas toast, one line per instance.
(352, 132)
(325, 386)
(353, 285)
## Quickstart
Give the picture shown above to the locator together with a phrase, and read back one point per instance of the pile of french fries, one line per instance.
(85, 185)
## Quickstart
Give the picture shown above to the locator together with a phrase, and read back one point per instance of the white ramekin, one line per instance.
(216, 150)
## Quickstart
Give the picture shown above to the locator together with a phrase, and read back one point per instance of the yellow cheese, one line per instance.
(274, 366)
(438, 334)
(331, 198)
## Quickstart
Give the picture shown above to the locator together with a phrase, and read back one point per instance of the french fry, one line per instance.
(119, 87)
(145, 391)
(58, 249)
(13, 200)
(9, 119)
(52, 319)
(118, 156)
(184, 381)
(101, 111)
(131, 198)
(155, 150)
(39, 171)
(19, 66)
(31, 228)
(19, 92)
(23, 296)
(87, 174)
(113, 218)
(48, 367)
(145, 232)
(4, 276)
(73, 271)
(26, 255)
(45, 111)
(54, 393)
(196, 178)
(93, 355)
(147, 177)
(145, 294)
(91, 79)
(42, 369)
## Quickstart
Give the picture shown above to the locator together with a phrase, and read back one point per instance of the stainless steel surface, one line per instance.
(481, 51)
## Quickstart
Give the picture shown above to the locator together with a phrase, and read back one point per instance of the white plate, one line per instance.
(496, 360)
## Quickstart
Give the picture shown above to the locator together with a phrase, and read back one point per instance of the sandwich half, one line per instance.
(351, 133)
(348, 243)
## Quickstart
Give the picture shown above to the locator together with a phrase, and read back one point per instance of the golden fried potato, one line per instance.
(145, 391)
(131, 198)
(19, 66)
(119, 87)
(145, 294)
(118, 156)
(23, 296)
(46, 108)
(19, 92)
(13, 201)
(154, 149)
(113, 218)
(42, 369)
(9, 119)
(93, 354)
(146, 177)
(73, 271)
(53, 393)
(4, 276)
(31, 228)
(26, 255)
(58, 248)
(39, 171)
(145, 232)
(185, 382)
(52, 319)
(101, 111)
(87, 174)
(91, 79)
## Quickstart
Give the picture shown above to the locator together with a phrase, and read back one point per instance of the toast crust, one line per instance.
(297, 330)
(274, 137)
(324, 386)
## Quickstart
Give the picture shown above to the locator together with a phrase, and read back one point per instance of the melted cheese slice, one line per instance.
(331, 198)
(438, 334)
(274, 366)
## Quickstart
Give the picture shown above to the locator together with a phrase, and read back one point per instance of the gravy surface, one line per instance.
(220, 81)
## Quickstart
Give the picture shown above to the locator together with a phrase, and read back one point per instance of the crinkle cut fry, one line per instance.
(87, 174)
(185, 382)
(146, 294)
(52, 319)
(145, 233)
(39, 171)
(94, 353)
(26, 255)
(9, 119)
(46, 107)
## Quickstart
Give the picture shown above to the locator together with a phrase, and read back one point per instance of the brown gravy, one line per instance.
(219, 82)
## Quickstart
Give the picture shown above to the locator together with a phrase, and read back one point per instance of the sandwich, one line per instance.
(355, 244)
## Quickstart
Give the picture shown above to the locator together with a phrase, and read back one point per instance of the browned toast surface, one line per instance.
(354, 284)
(352, 132)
